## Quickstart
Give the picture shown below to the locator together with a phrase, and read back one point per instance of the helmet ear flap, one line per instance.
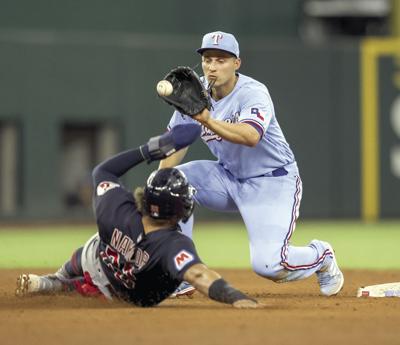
(189, 206)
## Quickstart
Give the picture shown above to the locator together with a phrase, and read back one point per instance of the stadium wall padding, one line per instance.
(47, 80)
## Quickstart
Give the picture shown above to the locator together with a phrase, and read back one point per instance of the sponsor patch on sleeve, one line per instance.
(182, 259)
(105, 186)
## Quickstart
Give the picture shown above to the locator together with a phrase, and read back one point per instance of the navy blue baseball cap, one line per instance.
(221, 41)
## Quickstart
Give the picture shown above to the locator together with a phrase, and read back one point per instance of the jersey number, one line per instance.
(123, 271)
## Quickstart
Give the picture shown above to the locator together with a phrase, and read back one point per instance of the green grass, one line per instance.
(357, 245)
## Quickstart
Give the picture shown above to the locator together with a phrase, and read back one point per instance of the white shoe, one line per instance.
(33, 284)
(330, 277)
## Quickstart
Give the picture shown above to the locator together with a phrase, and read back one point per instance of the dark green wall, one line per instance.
(389, 92)
(49, 79)
(255, 17)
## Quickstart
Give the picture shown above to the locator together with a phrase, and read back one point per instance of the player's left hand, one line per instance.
(203, 116)
(247, 304)
(189, 95)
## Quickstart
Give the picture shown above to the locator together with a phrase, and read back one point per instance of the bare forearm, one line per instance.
(211, 284)
(201, 277)
(174, 159)
(238, 133)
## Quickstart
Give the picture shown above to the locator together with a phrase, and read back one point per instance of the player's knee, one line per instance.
(270, 270)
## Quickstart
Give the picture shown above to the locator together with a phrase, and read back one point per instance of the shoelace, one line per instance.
(325, 277)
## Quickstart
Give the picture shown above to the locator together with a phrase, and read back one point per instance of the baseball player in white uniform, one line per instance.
(255, 172)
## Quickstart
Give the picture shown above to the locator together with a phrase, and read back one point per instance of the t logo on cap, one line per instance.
(220, 40)
(216, 38)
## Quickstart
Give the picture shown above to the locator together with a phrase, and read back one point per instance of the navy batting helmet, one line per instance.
(168, 194)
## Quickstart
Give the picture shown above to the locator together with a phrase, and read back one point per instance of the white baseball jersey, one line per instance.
(249, 102)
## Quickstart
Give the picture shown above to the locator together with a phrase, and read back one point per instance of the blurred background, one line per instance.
(77, 84)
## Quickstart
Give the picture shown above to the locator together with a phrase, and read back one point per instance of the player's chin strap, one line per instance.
(210, 85)
(209, 90)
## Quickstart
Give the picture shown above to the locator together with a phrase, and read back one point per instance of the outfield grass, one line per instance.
(360, 246)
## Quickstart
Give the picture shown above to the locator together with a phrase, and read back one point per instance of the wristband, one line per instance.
(222, 292)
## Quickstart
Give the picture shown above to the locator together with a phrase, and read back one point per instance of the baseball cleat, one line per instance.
(28, 284)
(184, 290)
(22, 285)
(330, 277)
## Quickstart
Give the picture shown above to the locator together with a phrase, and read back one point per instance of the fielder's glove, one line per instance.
(189, 95)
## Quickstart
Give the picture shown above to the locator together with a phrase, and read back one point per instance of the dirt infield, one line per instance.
(294, 314)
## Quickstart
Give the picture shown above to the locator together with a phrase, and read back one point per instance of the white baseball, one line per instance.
(164, 88)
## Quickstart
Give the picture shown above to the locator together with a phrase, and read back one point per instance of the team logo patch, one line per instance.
(154, 210)
(257, 112)
(182, 259)
(105, 186)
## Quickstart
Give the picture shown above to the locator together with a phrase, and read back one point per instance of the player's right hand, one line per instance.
(247, 304)
(203, 117)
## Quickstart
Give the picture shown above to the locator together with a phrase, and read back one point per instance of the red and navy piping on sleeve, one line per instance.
(256, 122)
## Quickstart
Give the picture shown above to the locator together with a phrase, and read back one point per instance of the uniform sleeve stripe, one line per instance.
(256, 125)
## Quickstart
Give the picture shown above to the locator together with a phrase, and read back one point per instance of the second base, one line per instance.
(380, 290)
